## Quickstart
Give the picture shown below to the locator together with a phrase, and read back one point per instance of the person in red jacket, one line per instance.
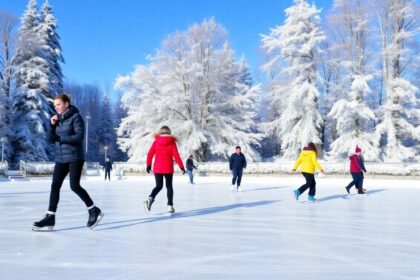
(357, 167)
(164, 150)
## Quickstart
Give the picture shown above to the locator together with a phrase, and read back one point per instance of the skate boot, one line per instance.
(232, 188)
(239, 189)
(148, 204)
(46, 224)
(348, 190)
(296, 193)
(95, 216)
(312, 198)
(171, 209)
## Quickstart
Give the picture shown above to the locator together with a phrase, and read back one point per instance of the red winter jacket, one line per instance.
(164, 150)
(355, 166)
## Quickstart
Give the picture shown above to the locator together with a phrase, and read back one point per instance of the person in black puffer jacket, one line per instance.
(67, 133)
(237, 163)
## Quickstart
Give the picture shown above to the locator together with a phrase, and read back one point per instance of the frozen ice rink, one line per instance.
(261, 233)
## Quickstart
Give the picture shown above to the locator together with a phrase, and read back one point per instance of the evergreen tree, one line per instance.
(292, 50)
(31, 108)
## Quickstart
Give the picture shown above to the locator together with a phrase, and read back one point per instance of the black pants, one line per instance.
(108, 173)
(310, 183)
(60, 172)
(358, 181)
(159, 186)
(237, 176)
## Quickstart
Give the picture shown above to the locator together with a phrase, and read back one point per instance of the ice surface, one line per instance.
(261, 233)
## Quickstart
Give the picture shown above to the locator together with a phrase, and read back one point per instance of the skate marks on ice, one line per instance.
(185, 214)
(347, 196)
(264, 189)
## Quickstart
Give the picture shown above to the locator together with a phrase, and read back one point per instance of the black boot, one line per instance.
(46, 224)
(95, 215)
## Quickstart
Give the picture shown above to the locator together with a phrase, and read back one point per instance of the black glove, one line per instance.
(183, 171)
(148, 169)
(55, 138)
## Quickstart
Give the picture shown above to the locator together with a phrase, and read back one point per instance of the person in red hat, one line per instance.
(164, 150)
(357, 167)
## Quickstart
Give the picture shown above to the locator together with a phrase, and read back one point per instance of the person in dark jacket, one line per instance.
(357, 167)
(108, 168)
(66, 132)
(190, 167)
(237, 163)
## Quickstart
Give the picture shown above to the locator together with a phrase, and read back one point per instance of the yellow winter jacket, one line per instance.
(307, 159)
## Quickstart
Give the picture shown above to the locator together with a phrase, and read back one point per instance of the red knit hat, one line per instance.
(358, 150)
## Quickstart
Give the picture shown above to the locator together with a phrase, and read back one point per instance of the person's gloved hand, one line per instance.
(55, 138)
(148, 169)
(183, 171)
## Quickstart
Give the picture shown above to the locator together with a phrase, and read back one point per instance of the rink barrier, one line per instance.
(121, 169)
(280, 168)
(46, 168)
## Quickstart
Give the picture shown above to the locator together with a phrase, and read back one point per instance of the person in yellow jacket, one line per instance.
(308, 162)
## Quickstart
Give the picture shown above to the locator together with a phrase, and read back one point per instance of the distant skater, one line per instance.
(190, 168)
(108, 168)
(164, 150)
(237, 163)
(308, 162)
(357, 167)
(67, 132)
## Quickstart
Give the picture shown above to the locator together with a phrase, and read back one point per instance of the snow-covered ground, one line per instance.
(261, 233)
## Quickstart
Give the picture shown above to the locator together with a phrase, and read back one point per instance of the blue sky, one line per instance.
(104, 38)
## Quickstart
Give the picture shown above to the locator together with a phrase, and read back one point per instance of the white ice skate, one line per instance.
(171, 209)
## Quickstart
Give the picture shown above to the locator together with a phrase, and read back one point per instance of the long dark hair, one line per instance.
(313, 146)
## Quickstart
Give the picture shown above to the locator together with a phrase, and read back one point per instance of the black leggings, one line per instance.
(310, 183)
(159, 186)
(60, 172)
(108, 173)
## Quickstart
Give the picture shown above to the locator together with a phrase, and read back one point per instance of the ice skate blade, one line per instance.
(145, 208)
(101, 215)
(45, 229)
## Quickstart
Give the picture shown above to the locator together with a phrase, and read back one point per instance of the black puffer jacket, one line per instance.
(68, 135)
(237, 161)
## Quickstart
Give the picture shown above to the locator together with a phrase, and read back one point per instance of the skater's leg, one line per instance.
(159, 186)
(239, 172)
(235, 176)
(312, 187)
(352, 183)
(305, 186)
(169, 188)
(76, 168)
(359, 183)
(60, 172)
(190, 175)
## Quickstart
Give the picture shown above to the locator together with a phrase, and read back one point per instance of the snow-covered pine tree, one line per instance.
(293, 48)
(8, 24)
(31, 110)
(195, 85)
(105, 130)
(400, 112)
(354, 119)
(51, 50)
